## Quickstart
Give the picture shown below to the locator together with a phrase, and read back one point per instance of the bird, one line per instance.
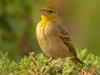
(53, 37)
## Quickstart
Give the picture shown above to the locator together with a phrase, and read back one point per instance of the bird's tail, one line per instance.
(76, 60)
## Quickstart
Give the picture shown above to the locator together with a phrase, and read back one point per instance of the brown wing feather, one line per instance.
(67, 41)
(64, 35)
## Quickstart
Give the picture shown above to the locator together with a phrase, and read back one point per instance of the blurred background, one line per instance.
(18, 20)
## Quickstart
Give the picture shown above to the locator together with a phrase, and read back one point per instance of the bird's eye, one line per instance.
(50, 11)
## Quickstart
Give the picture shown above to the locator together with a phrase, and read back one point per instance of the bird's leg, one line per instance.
(50, 59)
(61, 67)
(47, 66)
(63, 60)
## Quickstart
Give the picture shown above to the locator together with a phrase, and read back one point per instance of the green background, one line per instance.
(18, 20)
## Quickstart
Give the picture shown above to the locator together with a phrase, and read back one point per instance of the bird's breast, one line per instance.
(50, 42)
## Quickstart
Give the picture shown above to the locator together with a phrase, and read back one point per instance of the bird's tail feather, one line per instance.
(76, 60)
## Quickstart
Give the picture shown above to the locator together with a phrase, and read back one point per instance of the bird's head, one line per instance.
(49, 14)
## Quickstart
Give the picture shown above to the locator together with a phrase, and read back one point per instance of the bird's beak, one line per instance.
(43, 11)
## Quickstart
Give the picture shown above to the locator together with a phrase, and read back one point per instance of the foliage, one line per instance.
(38, 64)
(16, 26)
(18, 20)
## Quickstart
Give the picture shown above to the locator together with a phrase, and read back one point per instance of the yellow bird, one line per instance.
(53, 38)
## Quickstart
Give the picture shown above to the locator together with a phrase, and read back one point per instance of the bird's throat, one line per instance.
(49, 20)
(45, 21)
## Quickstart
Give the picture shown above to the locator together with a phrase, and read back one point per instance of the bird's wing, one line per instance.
(64, 36)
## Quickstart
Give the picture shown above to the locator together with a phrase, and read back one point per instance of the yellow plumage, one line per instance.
(53, 38)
